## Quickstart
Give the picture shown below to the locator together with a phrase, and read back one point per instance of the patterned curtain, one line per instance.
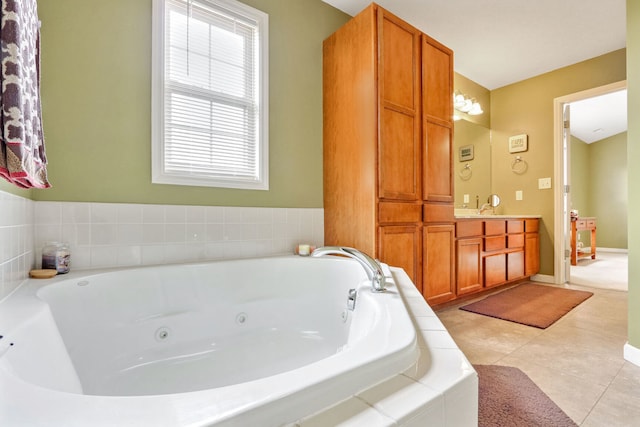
(22, 157)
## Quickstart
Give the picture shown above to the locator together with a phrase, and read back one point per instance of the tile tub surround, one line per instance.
(440, 389)
(16, 241)
(104, 235)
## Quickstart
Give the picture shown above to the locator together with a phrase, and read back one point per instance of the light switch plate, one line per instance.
(466, 198)
(518, 194)
(544, 183)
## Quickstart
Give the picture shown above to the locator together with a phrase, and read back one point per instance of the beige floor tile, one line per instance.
(578, 361)
(575, 395)
(615, 408)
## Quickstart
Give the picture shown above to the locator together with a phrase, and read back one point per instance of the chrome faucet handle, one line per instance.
(371, 266)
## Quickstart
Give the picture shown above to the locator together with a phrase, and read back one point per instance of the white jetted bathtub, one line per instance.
(255, 342)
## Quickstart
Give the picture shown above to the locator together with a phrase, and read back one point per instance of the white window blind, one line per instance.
(210, 117)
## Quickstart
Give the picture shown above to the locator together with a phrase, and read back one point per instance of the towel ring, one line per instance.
(466, 172)
(519, 165)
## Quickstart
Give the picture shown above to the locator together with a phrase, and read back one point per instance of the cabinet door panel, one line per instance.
(399, 156)
(398, 66)
(532, 254)
(515, 265)
(399, 150)
(438, 279)
(437, 79)
(469, 265)
(495, 270)
(401, 246)
(437, 180)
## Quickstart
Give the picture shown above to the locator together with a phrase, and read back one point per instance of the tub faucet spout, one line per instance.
(371, 266)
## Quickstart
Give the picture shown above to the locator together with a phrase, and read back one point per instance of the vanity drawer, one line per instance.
(531, 225)
(468, 228)
(581, 224)
(591, 223)
(494, 243)
(494, 227)
(515, 241)
(515, 226)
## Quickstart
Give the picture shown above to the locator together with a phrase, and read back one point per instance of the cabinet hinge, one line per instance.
(567, 189)
(567, 124)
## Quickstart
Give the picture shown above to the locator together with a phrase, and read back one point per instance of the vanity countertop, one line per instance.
(489, 216)
(473, 214)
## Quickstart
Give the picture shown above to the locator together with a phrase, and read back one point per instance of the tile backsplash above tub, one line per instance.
(103, 235)
(16, 241)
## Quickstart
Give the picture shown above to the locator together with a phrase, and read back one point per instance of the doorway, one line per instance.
(562, 194)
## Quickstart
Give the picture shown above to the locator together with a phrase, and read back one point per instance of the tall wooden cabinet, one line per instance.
(388, 147)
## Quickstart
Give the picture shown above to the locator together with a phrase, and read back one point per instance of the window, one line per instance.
(210, 94)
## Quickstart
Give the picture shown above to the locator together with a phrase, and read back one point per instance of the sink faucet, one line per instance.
(371, 266)
(484, 207)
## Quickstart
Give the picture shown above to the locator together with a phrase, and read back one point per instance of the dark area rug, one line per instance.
(532, 305)
(508, 398)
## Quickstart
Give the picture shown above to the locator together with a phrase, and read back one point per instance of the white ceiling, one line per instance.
(499, 42)
(600, 117)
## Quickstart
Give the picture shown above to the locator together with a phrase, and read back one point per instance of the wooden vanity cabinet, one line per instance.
(387, 133)
(493, 252)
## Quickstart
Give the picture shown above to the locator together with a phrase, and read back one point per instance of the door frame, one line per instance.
(560, 227)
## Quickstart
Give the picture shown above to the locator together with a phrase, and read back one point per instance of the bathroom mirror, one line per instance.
(472, 177)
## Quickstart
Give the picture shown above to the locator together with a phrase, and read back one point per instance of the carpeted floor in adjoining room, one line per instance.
(609, 270)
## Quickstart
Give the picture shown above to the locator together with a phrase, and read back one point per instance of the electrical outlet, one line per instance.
(518, 194)
(544, 183)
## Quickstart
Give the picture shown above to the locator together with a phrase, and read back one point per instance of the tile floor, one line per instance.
(578, 361)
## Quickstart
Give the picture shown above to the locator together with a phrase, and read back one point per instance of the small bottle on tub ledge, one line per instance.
(304, 249)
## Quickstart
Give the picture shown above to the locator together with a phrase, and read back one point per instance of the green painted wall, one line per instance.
(633, 157)
(96, 59)
(527, 107)
(580, 162)
(608, 190)
(599, 187)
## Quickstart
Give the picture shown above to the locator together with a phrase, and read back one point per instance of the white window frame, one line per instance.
(159, 176)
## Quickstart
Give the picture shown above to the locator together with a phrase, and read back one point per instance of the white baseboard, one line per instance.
(617, 250)
(632, 354)
(544, 278)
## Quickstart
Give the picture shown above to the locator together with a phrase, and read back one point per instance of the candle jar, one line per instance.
(56, 256)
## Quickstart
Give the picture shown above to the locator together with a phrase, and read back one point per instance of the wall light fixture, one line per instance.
(466, 104)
